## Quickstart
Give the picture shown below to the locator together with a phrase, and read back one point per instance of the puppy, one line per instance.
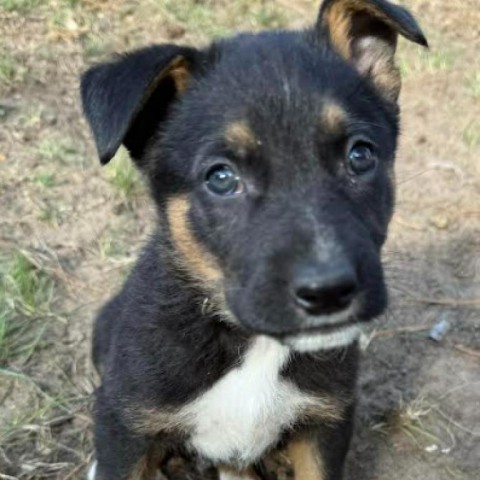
(270, 160)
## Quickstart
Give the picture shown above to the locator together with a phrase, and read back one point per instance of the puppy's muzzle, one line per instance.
(325, 290)
(322, 291)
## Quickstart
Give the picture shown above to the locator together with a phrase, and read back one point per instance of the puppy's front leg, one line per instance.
(225, 473)
(121, 454)
(319, 454)
(306, 460)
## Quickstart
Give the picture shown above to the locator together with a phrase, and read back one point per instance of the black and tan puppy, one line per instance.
(270, 158)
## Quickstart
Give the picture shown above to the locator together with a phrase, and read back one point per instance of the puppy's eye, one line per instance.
(222, 180)
(362, 158)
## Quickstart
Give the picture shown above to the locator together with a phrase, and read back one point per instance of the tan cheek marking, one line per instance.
(333, 117)
(239, 136)
(306, 460)
(193, 256)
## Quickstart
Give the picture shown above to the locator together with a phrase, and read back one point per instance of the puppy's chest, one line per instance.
(247, 410)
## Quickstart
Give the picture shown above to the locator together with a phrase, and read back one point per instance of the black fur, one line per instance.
(157, 344)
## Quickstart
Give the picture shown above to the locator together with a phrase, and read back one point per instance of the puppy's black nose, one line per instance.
(325, 290)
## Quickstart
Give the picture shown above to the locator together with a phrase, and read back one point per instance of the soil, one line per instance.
(419, 410)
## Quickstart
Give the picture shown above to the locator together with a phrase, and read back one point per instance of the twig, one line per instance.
(451, 302)
(456, 424)
(57, 421)
(79, 467)
(468, 351)
(288, 4)
(397, 331)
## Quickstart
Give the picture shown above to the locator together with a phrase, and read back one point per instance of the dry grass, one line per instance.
(26, 297)
(124, 177)
(20, 6)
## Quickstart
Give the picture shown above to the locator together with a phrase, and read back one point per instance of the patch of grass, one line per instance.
(30, 286)
(50, 445)
(206, 20)
(45, 179)
(94, 47)
(422, 61)
(474, 84)
(32, 428)
(8, 70)
(12, 72)
(52, 149)
(265, 15)
(471, 135)
(197, 17)
(414, 419)
(50, 214)
(440, 60)
(109, 247)
(414, 59)
(26, 292)
(123, 176)
(30, 117)
(20, 6)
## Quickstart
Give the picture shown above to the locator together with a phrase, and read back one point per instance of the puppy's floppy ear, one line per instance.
(125, 100)
(365, 33)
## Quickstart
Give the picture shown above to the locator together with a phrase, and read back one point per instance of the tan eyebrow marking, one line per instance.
(333, 117)
(239, 135)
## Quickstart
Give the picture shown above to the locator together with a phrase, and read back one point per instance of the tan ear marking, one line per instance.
(179, 71)
(384, 73)
(339, 22)
(367, 37)
(339, 18)
(193, 257)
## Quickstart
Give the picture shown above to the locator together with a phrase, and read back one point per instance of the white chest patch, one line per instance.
(245, 412)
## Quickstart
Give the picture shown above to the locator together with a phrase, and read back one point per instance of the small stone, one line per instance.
(439, 330)
(440, 221)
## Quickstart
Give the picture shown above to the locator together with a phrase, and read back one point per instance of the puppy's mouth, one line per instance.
(323, 337)
(310, 333)
(327, 332)
(324, 329)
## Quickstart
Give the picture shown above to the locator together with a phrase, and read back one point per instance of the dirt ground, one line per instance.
(69, 232)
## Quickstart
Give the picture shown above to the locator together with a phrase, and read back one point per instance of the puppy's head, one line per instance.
(270, 157)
